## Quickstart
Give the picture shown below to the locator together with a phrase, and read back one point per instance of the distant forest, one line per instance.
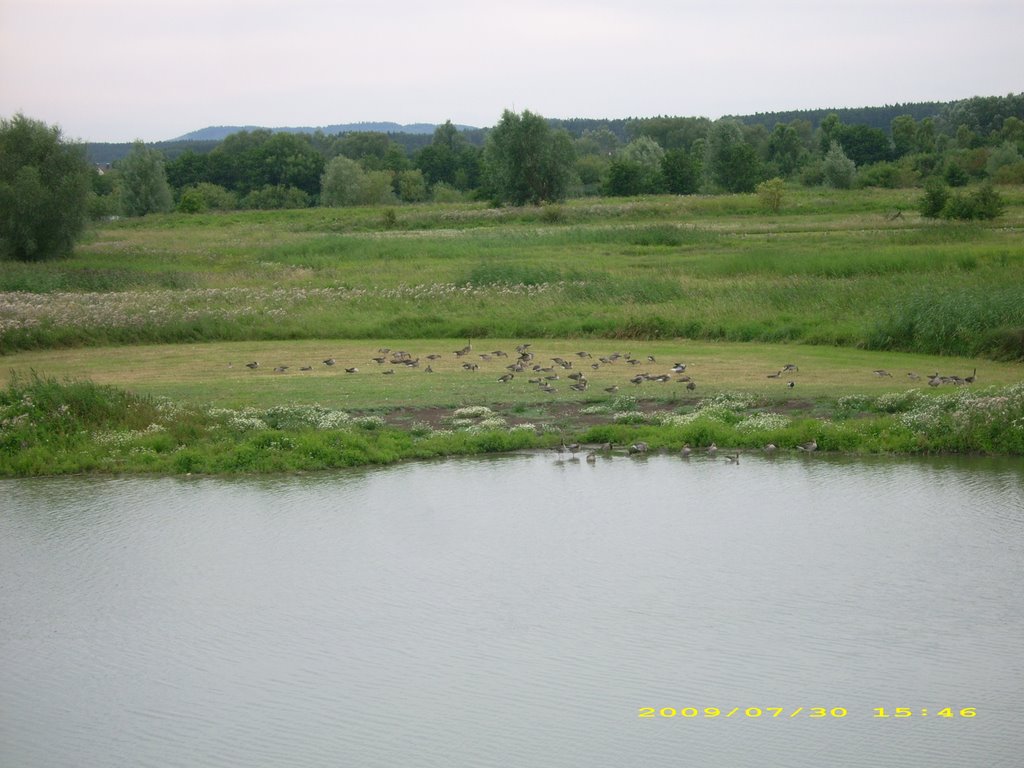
(899, 145)
(416, 136)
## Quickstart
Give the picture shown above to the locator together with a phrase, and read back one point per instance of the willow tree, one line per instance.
(526, 161)
(44, 190)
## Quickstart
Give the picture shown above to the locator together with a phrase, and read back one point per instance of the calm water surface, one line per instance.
(518, 611)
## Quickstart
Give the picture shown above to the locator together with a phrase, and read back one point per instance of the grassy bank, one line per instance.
(53, 427)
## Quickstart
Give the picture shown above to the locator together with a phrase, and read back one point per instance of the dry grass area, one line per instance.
(216, 373)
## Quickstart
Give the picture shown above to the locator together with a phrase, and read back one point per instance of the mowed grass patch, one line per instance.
(215, 373)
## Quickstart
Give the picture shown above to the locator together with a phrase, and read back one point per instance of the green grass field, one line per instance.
(836, 284)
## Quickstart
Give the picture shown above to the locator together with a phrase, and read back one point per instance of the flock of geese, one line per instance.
(542, 373)
(545, 373)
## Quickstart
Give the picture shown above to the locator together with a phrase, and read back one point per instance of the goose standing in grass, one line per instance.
(970, 379)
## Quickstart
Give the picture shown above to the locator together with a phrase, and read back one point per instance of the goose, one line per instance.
(769, 448)
(351, 370)
(252, 366)
(691, 385)
(504, 379)
(591, 457)
(306, 368)
(713, 449)
(330, 361)
(733, 459)
(281, 368)
(640, 447)
(611, 390)
(389, 372)
(790, 384)
(580, 386)
(789, 367)
(428, 369)
(881, 372)
(573, 448)
(809, 446)
(913, 376)
(686, 450)
(678, 367)
(970, 379)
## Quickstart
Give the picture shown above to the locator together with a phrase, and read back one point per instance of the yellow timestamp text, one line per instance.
(799, 712)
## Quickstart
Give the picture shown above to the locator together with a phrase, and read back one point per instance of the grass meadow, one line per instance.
(169, 309)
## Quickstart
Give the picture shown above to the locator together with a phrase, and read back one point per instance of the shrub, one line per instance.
(936, 195)
(770, 194)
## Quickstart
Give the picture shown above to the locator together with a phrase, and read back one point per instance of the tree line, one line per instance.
(523, 159)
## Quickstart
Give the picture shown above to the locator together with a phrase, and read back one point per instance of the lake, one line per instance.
(523, 610)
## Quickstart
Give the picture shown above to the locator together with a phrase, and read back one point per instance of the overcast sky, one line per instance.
(113, 70)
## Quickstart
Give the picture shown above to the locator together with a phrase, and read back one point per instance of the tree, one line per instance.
(682, 171)
(44, 190)
(144, 187)
(785, 148)
(525, 161)
(838, 169)
(731, 164)
(637, 170)
(341, 182)
(449, 159)
(412, 186)
(904, 135)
